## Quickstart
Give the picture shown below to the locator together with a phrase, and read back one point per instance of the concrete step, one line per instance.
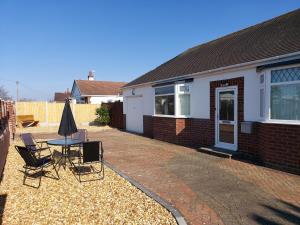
(220, 152)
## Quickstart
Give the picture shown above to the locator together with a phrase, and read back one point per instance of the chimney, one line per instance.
(91, 75)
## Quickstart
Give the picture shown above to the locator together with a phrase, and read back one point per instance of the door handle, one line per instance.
(226, 121)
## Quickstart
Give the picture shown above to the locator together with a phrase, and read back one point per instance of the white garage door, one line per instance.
(134, 115)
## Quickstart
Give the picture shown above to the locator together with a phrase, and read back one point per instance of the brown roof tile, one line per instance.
(278, 36)
(61, 96)
(92, 87)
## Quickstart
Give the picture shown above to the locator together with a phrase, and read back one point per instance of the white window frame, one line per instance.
(163, 115)
(262, 87)
(178, 92)
(176, 100)
(268, 95)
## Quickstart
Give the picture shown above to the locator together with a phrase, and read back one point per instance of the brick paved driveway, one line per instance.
(205, 189)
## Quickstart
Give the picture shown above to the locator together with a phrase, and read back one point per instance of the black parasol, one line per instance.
(67, 124)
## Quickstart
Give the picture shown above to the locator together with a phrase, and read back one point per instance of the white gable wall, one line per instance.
(200, 95)
(75, 92)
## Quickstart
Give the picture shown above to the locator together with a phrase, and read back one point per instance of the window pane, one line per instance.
(285, 102)
(226, 101)
(184, 104)
(285, 75)
(164, 90)
(262, 102)
(226, 133)
(184, 88)
(164, 105)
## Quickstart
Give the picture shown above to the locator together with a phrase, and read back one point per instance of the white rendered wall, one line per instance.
(200, 95)
(147, 94)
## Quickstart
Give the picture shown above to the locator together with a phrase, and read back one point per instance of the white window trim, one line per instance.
(268, 86)
(163, 115)
(262, 86)
(176, 100)
(178, 92)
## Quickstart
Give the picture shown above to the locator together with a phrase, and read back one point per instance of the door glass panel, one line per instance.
(226, 133)
(226, 104)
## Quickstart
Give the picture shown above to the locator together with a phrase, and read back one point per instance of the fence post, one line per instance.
(74, 111)
(47, 114)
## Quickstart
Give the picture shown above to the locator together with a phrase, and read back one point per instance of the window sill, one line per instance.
(171, 116)
(284, 122)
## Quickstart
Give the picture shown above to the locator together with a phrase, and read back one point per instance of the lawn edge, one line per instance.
(175, 212)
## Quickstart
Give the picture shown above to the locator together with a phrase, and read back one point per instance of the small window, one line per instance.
(262, 79)
(164, 90)
(184, 88)
(285, 75)
(262, 102)
(262, 95)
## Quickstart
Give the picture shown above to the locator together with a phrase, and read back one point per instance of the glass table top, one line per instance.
(64, 142)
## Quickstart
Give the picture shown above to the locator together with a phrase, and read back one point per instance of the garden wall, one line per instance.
(7, 130)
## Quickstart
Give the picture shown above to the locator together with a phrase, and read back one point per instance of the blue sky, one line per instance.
(47, 44)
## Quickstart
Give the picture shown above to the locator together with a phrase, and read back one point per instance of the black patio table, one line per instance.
(65, 148)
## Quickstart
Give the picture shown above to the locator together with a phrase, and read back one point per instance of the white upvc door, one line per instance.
(134, 114)
(226, 118)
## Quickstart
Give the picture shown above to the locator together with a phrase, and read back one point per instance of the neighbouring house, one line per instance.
(60, 97)
(239, 92)
(96, 92)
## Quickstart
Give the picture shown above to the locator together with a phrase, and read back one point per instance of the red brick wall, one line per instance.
(7, 126)
(11, 118)
(279, 145)
(124, 121)
(148, 126)
(188, 132)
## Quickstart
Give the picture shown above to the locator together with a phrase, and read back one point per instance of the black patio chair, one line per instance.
(33, 145)
(32, 163)
(91, 153)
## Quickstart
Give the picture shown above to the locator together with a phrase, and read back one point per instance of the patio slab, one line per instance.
(205, 189)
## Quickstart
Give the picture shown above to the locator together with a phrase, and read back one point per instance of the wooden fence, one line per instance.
(50, 113)
(7, 130)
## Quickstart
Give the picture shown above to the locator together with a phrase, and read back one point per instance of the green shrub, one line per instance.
(102, 115)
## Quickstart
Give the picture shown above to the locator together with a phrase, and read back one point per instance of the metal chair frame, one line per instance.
(84, 154)
(32, 163)
(34, 145)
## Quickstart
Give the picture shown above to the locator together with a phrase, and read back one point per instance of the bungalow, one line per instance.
(91, 91)
(240, 92)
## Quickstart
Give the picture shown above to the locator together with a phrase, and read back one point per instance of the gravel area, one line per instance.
(112, 200)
